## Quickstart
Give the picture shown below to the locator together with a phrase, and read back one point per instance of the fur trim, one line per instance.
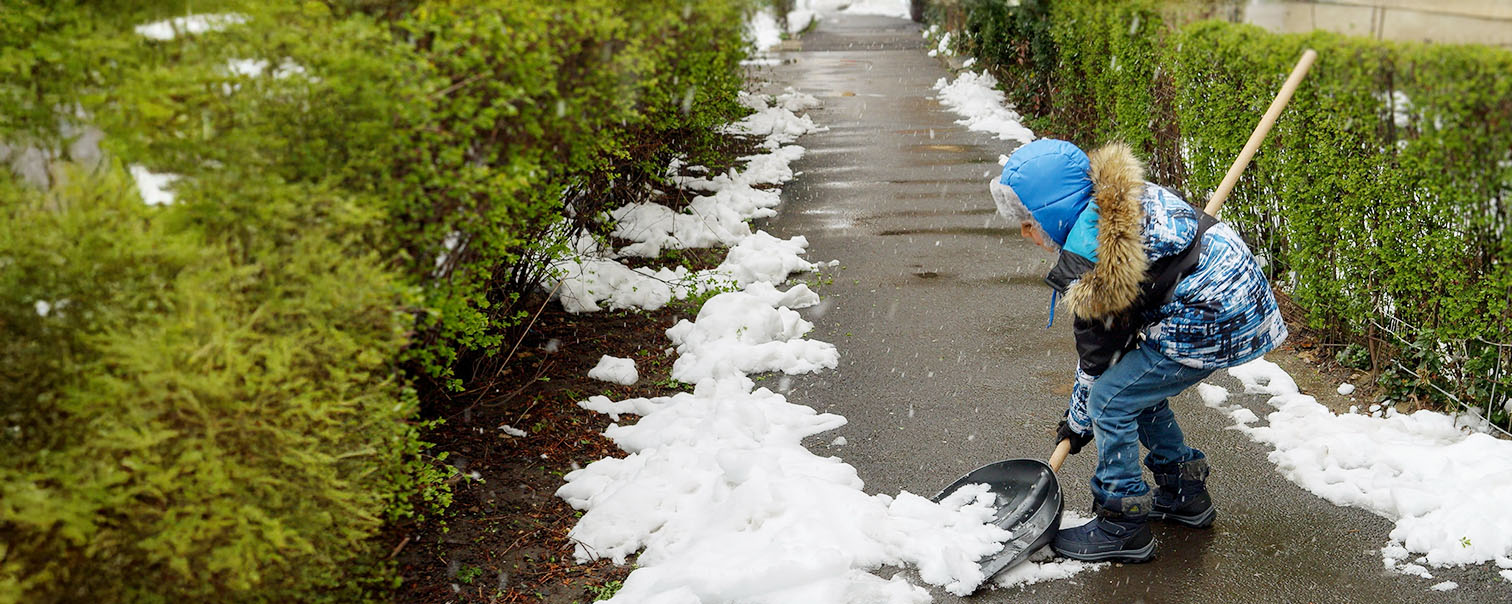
(1113, 283)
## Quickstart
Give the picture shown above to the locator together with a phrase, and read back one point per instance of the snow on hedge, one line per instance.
(1425, 471)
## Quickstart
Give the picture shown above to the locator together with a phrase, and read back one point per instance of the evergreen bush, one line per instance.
(215, 399)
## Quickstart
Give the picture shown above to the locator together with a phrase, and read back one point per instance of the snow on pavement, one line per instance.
(718, 495)
(1443, 484)
(975, 97)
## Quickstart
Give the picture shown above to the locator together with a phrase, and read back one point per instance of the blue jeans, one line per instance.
(1128, 408)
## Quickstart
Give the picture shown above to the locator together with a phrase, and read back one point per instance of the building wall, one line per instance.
(1448, 21)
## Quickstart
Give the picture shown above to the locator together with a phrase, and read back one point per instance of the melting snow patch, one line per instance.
(1422, 471)
(616, 370)
(1346, 389)
(1445, 586)
(511, 430)
(975, 97)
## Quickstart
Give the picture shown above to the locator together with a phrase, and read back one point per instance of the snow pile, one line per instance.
(1423, 471)
(169, 29)
(615, 369)
(975, 97)
(590, 284)
(591, 279)
(729, 506)
(751, 331)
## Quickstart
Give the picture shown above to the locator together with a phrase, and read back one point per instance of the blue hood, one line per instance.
(1050, 177)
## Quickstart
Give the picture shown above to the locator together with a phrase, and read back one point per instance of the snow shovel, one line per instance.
(1028, 505)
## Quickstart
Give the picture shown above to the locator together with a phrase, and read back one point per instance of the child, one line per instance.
(1162, 295)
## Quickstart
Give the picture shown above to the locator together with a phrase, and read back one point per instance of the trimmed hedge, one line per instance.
(216, 399)
(1385, 190)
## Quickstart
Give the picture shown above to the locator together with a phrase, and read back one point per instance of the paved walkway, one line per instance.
(939, 312)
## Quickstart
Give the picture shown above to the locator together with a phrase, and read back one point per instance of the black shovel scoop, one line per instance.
(1028, 505)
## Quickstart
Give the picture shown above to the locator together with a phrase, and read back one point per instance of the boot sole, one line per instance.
(1135, 556)
(1201, 521)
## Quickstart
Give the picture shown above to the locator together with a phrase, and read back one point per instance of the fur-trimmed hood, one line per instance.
(1112, 284)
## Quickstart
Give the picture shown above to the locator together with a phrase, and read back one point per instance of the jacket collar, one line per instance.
(1112, 284)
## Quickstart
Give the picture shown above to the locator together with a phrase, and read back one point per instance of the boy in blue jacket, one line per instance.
(1162, 295)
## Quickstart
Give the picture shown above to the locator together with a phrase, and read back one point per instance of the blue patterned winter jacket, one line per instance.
(1138, 261)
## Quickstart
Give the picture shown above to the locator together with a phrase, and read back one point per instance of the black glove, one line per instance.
(1063, 431)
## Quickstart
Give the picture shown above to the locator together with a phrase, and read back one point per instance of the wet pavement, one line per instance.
(939, 310)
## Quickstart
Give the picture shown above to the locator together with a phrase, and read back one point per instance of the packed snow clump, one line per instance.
(975, 97)
(1423, 471)
(615, 369)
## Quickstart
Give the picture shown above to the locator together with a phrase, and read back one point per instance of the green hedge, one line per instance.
(216, 399)
(1384, 191)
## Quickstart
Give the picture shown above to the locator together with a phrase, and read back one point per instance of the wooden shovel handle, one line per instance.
(1057, 458)
(1258, 136)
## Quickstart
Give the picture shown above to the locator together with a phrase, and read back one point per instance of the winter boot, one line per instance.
(1181, 494)
(1121, 531)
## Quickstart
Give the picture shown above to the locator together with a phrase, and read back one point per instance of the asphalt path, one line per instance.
(939, 311)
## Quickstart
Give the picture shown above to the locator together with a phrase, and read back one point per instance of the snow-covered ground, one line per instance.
(1443, 482)
(718, 495)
